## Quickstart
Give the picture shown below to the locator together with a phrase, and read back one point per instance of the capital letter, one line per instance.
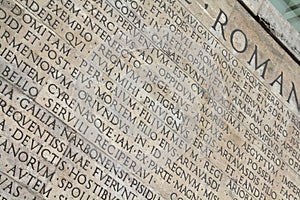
(222, 23)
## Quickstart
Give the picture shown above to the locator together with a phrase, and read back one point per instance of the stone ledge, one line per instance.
(277, 25)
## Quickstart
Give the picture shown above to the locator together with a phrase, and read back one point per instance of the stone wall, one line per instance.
(140, 99)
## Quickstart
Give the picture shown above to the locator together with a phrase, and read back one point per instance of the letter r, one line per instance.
(222, 15)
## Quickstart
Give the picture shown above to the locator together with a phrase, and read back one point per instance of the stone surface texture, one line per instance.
(146, 100)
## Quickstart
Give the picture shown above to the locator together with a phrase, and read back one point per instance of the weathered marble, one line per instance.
(147, 100)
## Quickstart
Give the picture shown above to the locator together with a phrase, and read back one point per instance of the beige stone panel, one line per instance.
(254, 6)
